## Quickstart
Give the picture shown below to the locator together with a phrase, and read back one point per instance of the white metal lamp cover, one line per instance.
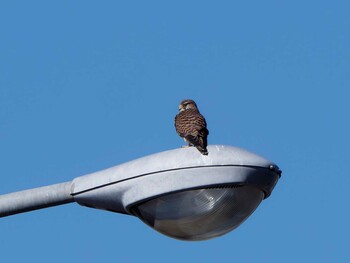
(180, 193)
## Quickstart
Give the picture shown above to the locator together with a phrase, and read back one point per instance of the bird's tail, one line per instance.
(202, 147)
(199, 142)
(202, 150)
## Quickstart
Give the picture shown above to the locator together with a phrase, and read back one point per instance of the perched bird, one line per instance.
(191, 126)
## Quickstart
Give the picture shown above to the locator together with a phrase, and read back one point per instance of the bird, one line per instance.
(191, 126)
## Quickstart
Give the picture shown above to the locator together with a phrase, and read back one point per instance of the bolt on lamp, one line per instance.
(180, 193)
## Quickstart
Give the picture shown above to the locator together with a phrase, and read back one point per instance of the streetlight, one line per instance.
(179, 193)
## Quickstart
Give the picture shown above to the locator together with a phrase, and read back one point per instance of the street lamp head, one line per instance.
(181, 193)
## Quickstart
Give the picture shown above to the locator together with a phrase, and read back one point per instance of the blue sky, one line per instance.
(85, 86)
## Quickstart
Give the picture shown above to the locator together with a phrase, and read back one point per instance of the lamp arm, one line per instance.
(36, 198)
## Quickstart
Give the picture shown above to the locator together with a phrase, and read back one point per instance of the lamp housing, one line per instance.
(181, 193)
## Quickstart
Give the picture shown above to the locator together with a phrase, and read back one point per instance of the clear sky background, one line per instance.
(87, 85)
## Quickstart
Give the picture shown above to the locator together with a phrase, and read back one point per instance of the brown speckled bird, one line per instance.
(191, 126)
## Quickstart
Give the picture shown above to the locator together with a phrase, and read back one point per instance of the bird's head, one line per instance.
(187, 104)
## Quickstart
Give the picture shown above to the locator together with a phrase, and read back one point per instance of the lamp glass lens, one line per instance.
(200, 214)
